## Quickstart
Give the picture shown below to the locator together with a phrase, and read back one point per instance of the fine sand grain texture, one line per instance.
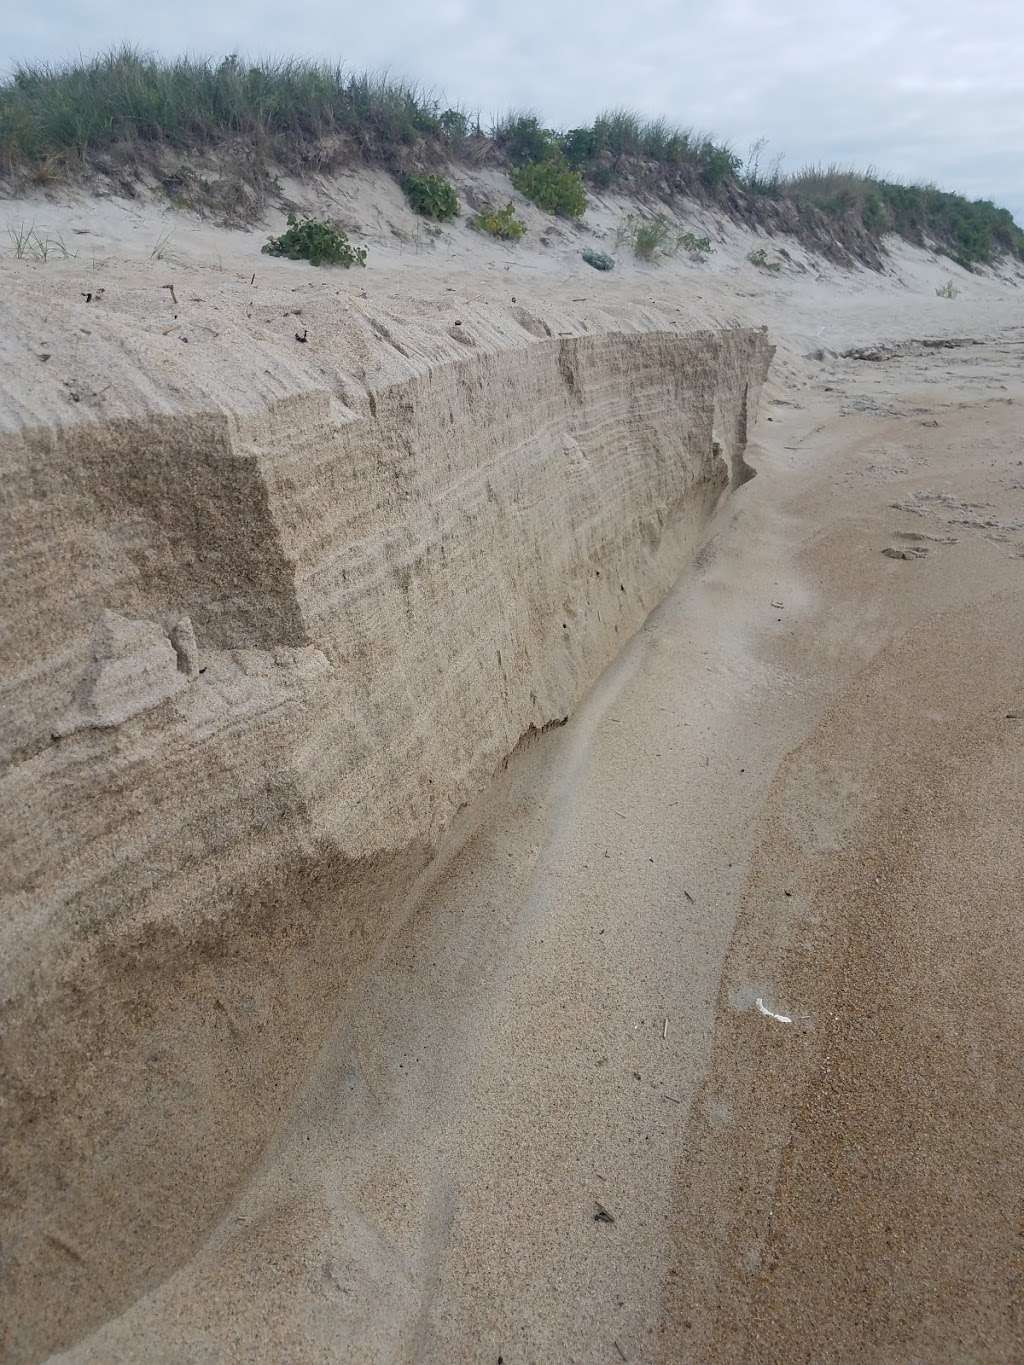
(358, 1009)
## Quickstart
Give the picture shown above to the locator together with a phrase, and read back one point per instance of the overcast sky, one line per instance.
(924, 89)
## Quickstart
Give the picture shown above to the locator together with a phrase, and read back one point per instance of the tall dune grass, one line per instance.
(125, 97)
(56, 119)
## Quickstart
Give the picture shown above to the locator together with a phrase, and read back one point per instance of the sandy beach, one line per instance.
(699, 1039)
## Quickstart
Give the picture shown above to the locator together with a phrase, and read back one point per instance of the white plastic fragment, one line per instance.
(779, 1018)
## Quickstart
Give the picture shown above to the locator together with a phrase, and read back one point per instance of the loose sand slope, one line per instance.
(607, 1001)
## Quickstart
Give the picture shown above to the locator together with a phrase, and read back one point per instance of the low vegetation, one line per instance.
(696, 246)
(552, 185)
(523, 140)
(972, 232)
(948, 291)
(125, 98)
(31, 244)
(315, 241)
(501, 223)
(598, 259)
(759, 257)
(652, 237)
(215, 134)
(649, 237)
(614, 137)
(431, 196)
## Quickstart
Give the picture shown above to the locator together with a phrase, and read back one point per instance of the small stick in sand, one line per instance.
(664, 1029)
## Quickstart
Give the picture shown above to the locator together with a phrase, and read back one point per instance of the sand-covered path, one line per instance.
(706, 1046)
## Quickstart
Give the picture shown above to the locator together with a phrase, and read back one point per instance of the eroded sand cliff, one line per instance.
(274, 614)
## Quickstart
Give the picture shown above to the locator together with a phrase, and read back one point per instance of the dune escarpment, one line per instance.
(269, 625)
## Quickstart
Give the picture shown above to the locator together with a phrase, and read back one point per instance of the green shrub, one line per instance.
(948, 291)
(522, 139)
(552, 185)
(718, 164)
(872, 213)
(658, 236)
(649, 236)
(579, 146)
(618, 131)
(598, 260)
(431, 196)
(315, 241)
(501, 223)
(621, 133)
(698, 246)
(760, 259)
(454, 124)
